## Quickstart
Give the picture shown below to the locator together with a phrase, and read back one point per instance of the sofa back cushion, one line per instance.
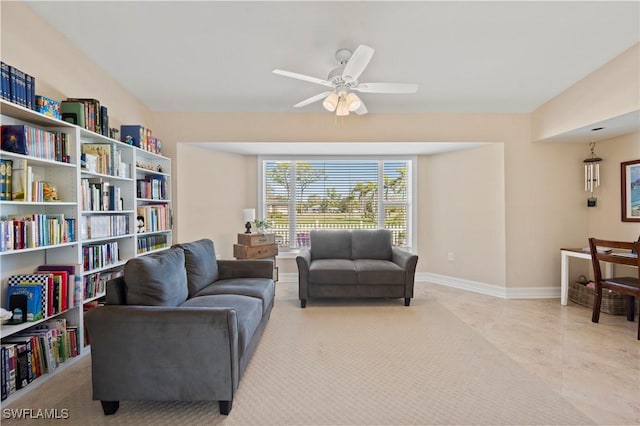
(201, 264)
(158, 279)
(371, 244)
(330, 244)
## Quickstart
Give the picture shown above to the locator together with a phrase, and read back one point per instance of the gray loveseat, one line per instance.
(179, 325)
(358, 263)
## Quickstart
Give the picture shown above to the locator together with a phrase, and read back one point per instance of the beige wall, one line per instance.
(604, 221)
(60, 69)
(543, 205)
(610, 91)
(462, 211)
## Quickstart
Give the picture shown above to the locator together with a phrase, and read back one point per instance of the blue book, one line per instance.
(4, 77)
(13, 87)
(15, 138)
(34, 298)
(132, 134)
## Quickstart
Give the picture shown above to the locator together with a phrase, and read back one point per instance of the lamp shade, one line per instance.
(330, 102)
(353, 101)
(342, 109)
(249, 215)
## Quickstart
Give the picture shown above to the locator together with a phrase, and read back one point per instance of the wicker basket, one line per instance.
(612, 302)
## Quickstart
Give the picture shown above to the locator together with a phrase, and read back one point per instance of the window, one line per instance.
(302, 194)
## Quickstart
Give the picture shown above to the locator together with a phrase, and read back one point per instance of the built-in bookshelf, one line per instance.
(82, 212)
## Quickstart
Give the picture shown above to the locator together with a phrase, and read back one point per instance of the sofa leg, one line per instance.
(110, 407)
(303, 303)
(225, 407)
(407, 301)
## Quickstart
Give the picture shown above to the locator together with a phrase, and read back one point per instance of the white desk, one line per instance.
(565, 254)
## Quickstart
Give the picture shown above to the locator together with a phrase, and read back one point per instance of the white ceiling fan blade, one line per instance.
(386, 88)
(312, 99)
(303, 77)
(362, 110)
(357, 63)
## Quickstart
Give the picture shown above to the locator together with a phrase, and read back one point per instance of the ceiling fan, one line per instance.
(343, 81)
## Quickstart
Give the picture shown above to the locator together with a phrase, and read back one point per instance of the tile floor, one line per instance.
(596, 367)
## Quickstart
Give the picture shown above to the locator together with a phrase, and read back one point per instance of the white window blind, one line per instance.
(300, 195)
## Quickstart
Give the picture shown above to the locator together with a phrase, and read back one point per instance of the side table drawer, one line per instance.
(241, 251)
(256, 239)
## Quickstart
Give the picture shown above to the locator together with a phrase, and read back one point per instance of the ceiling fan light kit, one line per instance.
(344, 80)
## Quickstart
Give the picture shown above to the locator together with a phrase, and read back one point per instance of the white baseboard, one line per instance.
(475, 286)
(490, 289)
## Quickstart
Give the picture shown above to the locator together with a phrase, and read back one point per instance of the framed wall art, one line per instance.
(630, 187)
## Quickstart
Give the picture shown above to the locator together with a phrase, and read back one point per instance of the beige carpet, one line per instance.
(347, 363)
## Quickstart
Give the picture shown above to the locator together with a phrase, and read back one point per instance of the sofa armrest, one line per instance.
(303, 260)
(163, 353)
(407, 261)
(245, 268)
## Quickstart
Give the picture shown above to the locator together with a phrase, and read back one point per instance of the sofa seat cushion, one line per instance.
(158, 279)
(261, 288)
(379, 272)
(248, 312)
(332, 271)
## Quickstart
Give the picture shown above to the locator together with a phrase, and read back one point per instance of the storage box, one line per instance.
(48, 107)
(241, 251)
(135, 133)
(256, 239)
(612, 302)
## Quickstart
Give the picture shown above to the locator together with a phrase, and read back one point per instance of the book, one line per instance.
(104, 153)
(10, 366)
(70, 272)
(19, 181)
(24, 360)
(13, 93)
(73, 112)
(92, 113)
(6, 172)
(15, 138)
(33, 292)
(133, 134)
(43, 280)
(4, 79)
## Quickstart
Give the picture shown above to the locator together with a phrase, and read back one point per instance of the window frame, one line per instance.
(412, 179)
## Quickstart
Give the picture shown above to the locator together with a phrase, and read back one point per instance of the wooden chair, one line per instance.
(623, 253)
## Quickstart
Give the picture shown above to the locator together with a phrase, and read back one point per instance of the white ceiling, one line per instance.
(465, 56)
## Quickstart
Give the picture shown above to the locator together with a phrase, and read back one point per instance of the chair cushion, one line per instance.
(379, 272)
(330, 244)
(371, 244)
(158, 279)
(201, 264)
(332, 271)
(261, 288)
(248, 311)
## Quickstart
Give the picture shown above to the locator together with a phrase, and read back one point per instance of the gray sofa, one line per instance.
(358, 263)
(179, 325)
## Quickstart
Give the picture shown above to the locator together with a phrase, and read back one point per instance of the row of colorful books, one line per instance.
(21, 182)
(96, 256)
(35, 142)
(97, 194)
(140, 137)
(17, 86)
(151, 242)
(18, 232)
(104, 158)
(95, 285)
(152, 187)
(86, 113)
(34, 352)
(50, 290)
(102, 226)
(153, 217)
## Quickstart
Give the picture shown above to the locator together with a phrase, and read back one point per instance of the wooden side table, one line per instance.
(257, 246)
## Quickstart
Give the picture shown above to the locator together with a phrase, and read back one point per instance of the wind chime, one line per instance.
(591, 174)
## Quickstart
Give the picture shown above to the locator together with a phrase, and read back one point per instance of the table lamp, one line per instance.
(248, 215)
